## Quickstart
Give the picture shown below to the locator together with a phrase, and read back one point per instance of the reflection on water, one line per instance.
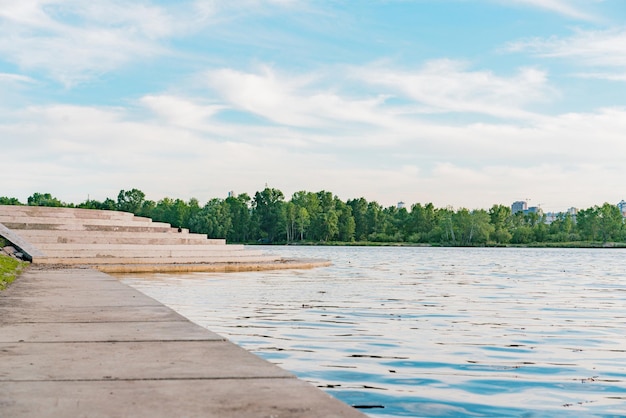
(430, 331)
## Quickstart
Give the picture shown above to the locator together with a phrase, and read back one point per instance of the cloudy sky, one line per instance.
(457, 102)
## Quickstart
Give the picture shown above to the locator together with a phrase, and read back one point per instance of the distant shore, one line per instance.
(573, 244)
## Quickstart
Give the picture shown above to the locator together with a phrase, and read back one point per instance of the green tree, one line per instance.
(109, 204)
(9, 201)
(346, 223)
(588, 223)
(317, 205)
(239, 208)
(329, 225)
(267, 209)
(179, 214)
(164, 211)
(213, 219)
(375, 221)
(44, 199)
(147, 207)
(325, 221)
(562, 229)
(522, 235)
(610, 223)
(500, 219)
(422, 222)
(290, 214)
(303, 220)
(306, 222)
(447, 228)
(359, 214)
(471, 227)
(130, 200)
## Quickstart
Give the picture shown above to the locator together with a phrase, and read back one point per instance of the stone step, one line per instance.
(154, 253)
(39, 220)
(92, 237)
(130, 227)
(20, 218)
(134, 246)
(125, 250)
(242, 258)
(41, 211)
(111, 237)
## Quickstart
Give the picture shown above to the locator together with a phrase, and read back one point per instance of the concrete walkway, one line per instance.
(78, 343)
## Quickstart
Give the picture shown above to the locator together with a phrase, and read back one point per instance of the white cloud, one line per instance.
(180, 111)
(15, 78)
(448, 86)
(74, 40)
(290, 100)
(314, 103)
(180, 148)
(599, 49)
(571, 8)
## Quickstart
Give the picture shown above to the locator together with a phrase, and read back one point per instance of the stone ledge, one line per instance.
(212, 267)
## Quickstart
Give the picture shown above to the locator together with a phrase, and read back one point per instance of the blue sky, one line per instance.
(465, 103)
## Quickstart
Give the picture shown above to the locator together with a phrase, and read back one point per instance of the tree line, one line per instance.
(321, 217)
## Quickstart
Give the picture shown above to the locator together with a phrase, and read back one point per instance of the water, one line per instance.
(430, 332)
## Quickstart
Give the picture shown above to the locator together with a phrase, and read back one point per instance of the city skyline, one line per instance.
(460, 103)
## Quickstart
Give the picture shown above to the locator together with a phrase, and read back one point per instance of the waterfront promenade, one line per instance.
(75, 342)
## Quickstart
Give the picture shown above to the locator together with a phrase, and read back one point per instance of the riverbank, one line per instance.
(569, 244)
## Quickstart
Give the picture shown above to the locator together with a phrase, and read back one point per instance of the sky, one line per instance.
(462, 103)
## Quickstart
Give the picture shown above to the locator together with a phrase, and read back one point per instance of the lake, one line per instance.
(430, 332)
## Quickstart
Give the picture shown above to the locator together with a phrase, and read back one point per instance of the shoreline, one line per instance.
(572, 245)
(283, 264)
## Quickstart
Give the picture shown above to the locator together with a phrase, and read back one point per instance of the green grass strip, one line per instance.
(10, 268)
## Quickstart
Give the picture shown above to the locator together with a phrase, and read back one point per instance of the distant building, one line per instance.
(231, 194)
(622, 208)
(519, 206)
(401, 205)
(553, 216)
(573, 212)
(522, 206)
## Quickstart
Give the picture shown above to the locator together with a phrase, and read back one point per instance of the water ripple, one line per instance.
(430, 332)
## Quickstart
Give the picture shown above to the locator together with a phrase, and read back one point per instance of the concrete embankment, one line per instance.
(77, 342)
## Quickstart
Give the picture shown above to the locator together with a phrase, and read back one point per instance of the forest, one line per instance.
(322, 218)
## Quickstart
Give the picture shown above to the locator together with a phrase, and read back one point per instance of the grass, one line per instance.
(10, 268)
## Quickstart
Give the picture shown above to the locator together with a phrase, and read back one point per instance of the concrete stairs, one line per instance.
(107, 238)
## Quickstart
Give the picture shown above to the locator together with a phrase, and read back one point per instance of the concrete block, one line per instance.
(225, 398)
(132, 360)
(55, 226)
(153, 313)
(94, 261)
(118, 237)
(105, 332)
(144, 248)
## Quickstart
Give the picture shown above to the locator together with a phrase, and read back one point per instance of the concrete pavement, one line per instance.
(78, 343)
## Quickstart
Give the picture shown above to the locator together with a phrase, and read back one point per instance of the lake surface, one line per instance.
(430, 332)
